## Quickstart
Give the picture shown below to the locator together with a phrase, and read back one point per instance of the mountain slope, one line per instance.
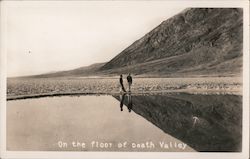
(196, 39)
(82, 71)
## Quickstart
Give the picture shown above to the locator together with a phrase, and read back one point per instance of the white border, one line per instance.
(146, 155)
(3, 70)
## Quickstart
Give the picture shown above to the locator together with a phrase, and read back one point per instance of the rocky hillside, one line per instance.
(198, 41)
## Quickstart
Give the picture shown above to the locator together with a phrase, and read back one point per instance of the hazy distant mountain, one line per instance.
(197, 41)
(82, 71)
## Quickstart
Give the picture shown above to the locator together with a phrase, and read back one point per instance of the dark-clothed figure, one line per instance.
(121, 82)
(129, 79)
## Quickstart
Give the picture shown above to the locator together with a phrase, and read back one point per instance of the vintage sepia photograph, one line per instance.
(124, 76)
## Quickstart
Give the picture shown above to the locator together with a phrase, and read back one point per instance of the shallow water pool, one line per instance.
(170, 122)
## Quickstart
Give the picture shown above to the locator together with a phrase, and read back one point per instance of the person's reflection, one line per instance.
(121, 101)
(130, 104)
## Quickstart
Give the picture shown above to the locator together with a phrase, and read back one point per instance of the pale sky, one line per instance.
(64, 35)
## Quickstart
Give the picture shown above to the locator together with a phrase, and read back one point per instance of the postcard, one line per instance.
(125, 79)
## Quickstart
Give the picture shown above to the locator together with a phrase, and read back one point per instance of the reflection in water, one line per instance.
(204, 122)
(121, 101)
(82, 119)
(130, 105)
(129, 101)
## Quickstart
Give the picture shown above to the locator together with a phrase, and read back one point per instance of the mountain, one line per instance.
(199, 41)
(82, 71)
(195, 42)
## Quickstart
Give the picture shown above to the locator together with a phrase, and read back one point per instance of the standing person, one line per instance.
(129, 79)
(121, 82)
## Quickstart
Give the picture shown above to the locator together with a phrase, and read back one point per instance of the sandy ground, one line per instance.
(41, 87)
